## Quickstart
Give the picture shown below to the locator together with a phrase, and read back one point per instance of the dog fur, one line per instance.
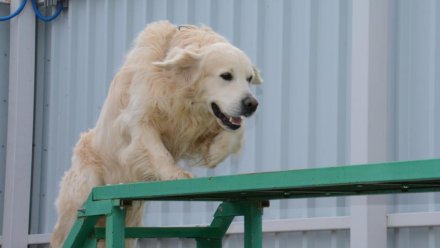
(159, 111)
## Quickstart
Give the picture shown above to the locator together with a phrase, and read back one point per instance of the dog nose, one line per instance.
(249, 105)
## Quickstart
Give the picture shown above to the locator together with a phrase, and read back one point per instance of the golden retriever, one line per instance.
(182, 93)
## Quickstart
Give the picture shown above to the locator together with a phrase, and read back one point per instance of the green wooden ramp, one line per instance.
(241, 195)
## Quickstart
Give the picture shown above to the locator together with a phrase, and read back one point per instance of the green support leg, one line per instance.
(253, 229)
(252, 212)
(115, 228)
(80, 232)
(91, 243)
(221, 223)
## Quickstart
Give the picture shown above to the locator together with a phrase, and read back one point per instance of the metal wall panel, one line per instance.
(416, 86)
(302, 48)
(4, 79)
(337, 239)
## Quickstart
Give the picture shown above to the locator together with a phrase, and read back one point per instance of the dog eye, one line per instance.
(249, 79)
(226, 76)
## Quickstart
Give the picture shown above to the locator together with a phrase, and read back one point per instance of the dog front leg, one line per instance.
(224, 144)
(149, 159)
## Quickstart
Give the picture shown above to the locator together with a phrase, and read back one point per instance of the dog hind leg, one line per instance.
(76, 186)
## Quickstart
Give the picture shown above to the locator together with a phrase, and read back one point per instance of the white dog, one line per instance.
(182, 93)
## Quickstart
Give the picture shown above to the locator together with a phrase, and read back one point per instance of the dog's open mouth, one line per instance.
(231, 122)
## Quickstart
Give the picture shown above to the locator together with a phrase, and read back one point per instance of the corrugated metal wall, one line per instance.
(415, 82)
(303, 50)
(4, 79)
(301, 47)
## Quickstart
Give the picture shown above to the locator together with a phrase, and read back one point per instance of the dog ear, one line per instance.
(179, 58)
(257, 77)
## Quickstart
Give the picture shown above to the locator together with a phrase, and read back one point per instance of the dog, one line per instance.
(183, 93)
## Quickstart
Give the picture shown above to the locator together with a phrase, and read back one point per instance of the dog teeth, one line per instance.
(236, 120)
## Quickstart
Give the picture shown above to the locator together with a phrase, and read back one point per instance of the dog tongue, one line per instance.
(235, 120)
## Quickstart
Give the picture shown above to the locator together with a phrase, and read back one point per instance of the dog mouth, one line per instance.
(231, 122)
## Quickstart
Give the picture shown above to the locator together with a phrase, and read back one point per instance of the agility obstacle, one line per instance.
(241, 195)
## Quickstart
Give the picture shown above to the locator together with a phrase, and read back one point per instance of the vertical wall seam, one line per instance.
(343, 96)
(313, 67)
(343, 84)
(260, 62)
(109, 41)
(286, 84)
(18, 171)
(38, 145)
(285, 97)
(90, 62)
(437, 79)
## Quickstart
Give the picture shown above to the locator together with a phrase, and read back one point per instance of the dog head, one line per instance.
(224, 75)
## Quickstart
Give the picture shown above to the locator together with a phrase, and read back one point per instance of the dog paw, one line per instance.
(224, 144)
(177, 174)
(183, 174)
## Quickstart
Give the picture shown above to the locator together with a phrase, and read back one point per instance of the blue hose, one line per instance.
(19, 9)
(46, 18)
